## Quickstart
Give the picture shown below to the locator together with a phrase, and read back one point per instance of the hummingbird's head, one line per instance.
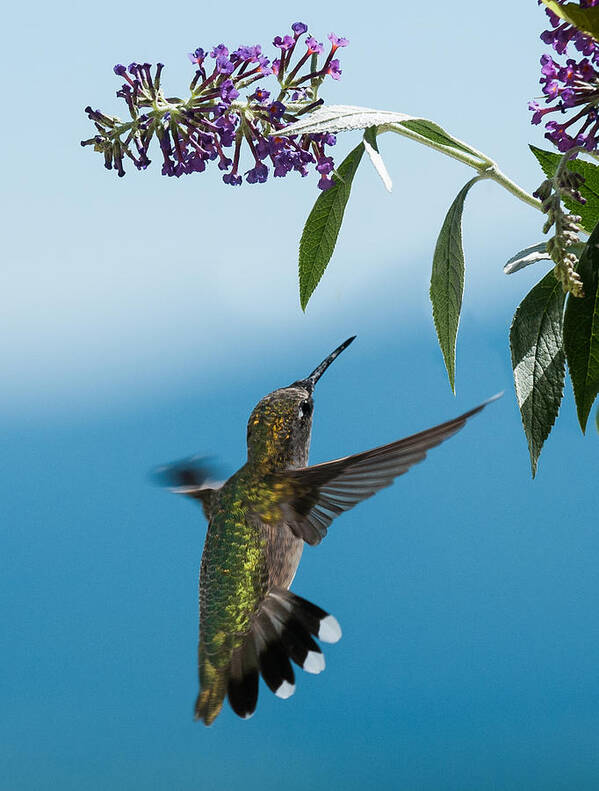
(280, 425)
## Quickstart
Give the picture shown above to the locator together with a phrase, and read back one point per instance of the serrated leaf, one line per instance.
(585, 19)
(530, 255)
(344, 118)
(372, 149)
(589, 212)
(538, 361)
(322, 226)
(447, 280)
(581, 332)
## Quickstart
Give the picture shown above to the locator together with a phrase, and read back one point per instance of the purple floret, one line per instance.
(337, 41)
(232, 179)
(314, 47)
(334, 69)
(257, 175)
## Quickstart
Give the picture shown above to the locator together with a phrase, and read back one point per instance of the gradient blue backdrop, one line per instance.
(141, 320)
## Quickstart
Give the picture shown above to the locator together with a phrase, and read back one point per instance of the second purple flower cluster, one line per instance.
(570, 88)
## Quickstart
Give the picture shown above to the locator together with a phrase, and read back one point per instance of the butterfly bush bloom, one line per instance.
(215, 123)
(570, 88)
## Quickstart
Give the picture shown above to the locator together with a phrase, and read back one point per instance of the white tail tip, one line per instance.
(285, 691)
(329, 631)
(314, 663)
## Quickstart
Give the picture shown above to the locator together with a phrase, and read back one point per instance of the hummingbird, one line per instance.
(251, 624)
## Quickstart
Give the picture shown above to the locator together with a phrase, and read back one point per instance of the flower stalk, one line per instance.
(566, 226)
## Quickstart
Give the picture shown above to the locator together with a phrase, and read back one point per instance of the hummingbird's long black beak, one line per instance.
(310, 381)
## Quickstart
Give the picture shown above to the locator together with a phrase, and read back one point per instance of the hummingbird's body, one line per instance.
(259, 520)
(243, 560)
(244, 557)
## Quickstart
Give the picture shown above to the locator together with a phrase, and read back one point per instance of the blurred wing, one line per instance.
(192, 477)
(313, 496)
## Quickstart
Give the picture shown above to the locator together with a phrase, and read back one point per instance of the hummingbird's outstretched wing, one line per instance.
(192, 476)
(311, 497)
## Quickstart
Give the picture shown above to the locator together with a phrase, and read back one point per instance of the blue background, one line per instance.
(142, 319)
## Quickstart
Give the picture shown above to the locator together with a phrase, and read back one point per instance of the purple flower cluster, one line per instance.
(215, 122)
(573, 85)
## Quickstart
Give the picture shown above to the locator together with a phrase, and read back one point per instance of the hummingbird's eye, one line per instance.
(305, 409)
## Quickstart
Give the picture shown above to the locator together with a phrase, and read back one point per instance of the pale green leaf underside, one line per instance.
(530, 255)
(342, 118)
(447, 280)
(533, 254)
(372, 149)
(538, 361)
(345, 118)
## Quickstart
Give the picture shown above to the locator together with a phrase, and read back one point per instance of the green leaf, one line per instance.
(585, 19)
(589, 212)
(344, 118)
(370, 137)
(436, 134)
(322, 226)
(581, 332)
(538, 360)
(372, 149)
(447, 280)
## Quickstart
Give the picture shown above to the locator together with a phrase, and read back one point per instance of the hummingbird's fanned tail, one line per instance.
(296, 614)
(282, 630)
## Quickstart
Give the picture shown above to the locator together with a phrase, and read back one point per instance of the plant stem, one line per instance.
(472, 158)
(496, 175)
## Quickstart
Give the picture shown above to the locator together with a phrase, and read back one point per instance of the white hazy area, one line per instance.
(115, 289)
